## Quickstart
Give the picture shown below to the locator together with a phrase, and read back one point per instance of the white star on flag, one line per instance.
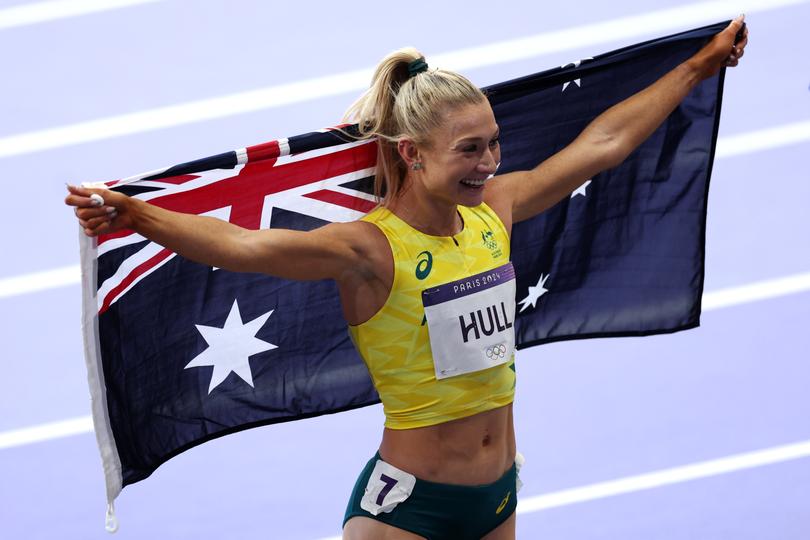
(576, 65)
(230, 347)
(535, 293)
(581, 190)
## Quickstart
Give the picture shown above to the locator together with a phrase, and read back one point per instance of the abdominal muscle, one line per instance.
(474, 450)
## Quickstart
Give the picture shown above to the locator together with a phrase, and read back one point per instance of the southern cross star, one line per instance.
(535, 293)
(230, 347)
(582, 190)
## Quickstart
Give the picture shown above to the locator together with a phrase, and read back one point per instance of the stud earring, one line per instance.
(417, 166)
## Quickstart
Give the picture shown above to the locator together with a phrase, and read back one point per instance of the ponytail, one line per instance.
(399, 104)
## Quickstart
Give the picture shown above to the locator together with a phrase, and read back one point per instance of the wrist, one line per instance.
(133, 209)
(694, 70)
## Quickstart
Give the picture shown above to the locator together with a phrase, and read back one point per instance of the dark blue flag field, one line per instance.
(179, 353)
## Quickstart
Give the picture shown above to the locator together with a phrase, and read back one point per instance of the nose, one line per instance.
(489, 162)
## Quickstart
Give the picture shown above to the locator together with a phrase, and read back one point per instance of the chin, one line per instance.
(471, 196)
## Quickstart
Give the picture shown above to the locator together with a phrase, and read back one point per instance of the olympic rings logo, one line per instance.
(496, 352)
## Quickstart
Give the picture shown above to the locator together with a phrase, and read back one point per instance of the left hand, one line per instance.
(721, 51)
(97, 219)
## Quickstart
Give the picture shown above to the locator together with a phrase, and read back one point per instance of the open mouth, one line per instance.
(469, 182)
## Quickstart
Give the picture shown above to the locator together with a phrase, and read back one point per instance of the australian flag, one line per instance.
(179, 353)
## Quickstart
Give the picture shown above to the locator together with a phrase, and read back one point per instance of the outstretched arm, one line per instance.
(614, 134)
(332, 251)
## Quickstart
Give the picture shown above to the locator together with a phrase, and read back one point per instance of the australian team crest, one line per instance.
(491, 244)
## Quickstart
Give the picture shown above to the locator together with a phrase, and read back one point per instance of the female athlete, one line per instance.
(429, 304)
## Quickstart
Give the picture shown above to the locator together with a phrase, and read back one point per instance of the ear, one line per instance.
(408, 152)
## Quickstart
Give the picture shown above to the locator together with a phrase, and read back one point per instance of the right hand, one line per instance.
(722, 50)
(114, 215)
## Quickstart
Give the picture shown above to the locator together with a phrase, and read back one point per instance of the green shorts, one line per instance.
(435, 511)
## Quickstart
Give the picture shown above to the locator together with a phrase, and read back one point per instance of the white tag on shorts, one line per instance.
(386, 488)
(519, 461)
(471, 322)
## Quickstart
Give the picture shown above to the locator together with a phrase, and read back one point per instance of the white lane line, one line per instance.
(763, 139)
(39, 12)
(40, 281)
(46, 432)
(665, 477)
(657, 479)
(752, 292)
(623, 28)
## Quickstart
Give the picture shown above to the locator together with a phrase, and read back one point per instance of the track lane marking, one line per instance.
(40, 12)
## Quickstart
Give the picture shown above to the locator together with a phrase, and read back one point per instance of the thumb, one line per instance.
(737, 26)
(85, 197)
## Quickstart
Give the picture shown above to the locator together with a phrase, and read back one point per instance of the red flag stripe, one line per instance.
(177, 180)
(136, 272)
(248, 188)
(341, 199)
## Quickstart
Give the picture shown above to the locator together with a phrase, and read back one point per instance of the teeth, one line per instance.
(474, 182)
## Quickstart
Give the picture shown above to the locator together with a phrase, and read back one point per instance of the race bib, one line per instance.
(470, 322)
(387, 487)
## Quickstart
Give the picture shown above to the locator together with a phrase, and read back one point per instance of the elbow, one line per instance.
(615, 153)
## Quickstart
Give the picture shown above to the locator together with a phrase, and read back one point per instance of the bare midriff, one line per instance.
(468, 451)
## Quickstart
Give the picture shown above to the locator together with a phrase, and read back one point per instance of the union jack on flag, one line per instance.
(328, 183)
(179, 353)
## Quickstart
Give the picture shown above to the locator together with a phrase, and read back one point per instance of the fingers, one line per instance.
(724, 50)
(734, 58)
(96, 229)
(744, 41)
(741, 35)
(83, 197)
(740, 30)
(90, 198)
(78, 191)
(91, 206)
(96, 222)
(94, 212)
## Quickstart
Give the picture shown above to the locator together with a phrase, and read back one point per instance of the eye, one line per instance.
(494, 142)
(470, 148)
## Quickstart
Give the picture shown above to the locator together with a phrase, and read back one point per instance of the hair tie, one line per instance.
(417, 66)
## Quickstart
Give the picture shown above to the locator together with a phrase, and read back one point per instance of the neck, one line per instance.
(427, 214)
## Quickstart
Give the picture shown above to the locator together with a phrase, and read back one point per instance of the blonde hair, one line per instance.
(398, 105)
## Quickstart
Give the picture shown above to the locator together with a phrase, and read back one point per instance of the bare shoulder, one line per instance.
(371, 249)
(365, 285)
(363, 237)
(499, 194)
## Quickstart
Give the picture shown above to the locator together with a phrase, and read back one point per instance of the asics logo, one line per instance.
(424, 265)
(503, 503)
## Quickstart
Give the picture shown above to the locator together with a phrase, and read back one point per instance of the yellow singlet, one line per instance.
(394, 343)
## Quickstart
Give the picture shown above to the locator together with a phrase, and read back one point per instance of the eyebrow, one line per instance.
(475, 139)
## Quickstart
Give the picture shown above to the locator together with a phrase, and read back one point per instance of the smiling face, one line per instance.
(461, 154)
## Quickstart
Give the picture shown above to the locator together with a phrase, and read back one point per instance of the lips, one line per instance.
(471, 182)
